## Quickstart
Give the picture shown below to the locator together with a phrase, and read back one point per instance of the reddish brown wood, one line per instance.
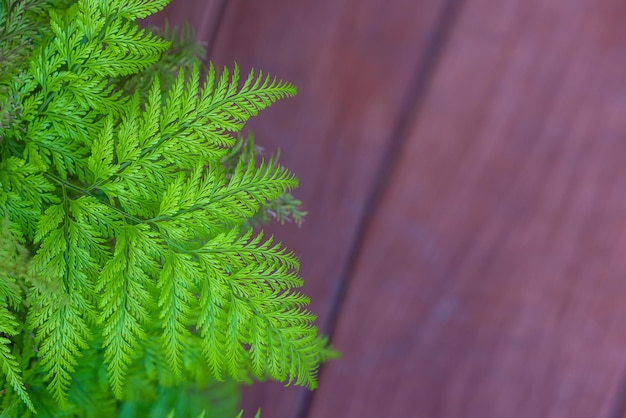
(493, 280)
(352, 61)
(203, 15)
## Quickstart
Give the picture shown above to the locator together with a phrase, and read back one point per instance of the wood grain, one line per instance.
(352, 62)
(492, 281)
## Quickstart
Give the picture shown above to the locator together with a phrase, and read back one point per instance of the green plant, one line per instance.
(130, 274)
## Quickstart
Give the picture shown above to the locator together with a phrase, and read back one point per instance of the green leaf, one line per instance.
(175, 301)
(8, 363)
(229, 106)
(67, 256)
(247, 300)
(135, 9)
(125, 302)
(100, 162)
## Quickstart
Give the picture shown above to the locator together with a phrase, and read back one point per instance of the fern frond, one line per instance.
(176, 299)
(206, 203)
(125, 302)
(257, 415)
(250, 187)
(8, 363)
(72, 69)
(26, 194)
(68, 253)
(156, 153)
(129, 50)
(100, 164)
(229, 107)
(247, 300)
(21, 22)
(12, 269)
(63, 333)
(184, 53)
(134, 9)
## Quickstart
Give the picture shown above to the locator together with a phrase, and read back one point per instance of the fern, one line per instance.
(130, 267)
(10, 298)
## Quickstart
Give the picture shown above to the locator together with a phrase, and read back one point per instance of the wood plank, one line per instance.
(352, 61)
(492, 282)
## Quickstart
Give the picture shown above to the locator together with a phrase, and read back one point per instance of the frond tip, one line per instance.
(247, 300)
(230, 106)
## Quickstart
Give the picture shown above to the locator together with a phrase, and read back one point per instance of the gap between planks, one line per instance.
(417, 91)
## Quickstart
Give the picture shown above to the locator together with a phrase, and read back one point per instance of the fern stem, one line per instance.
(84, 192)
(145, 152)
(66, 254)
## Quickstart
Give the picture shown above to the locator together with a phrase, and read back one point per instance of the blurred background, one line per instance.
(462, 163)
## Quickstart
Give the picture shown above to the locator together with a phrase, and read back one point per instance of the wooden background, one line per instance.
(462, 162)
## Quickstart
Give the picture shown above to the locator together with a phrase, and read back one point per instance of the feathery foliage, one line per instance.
(130, 271)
